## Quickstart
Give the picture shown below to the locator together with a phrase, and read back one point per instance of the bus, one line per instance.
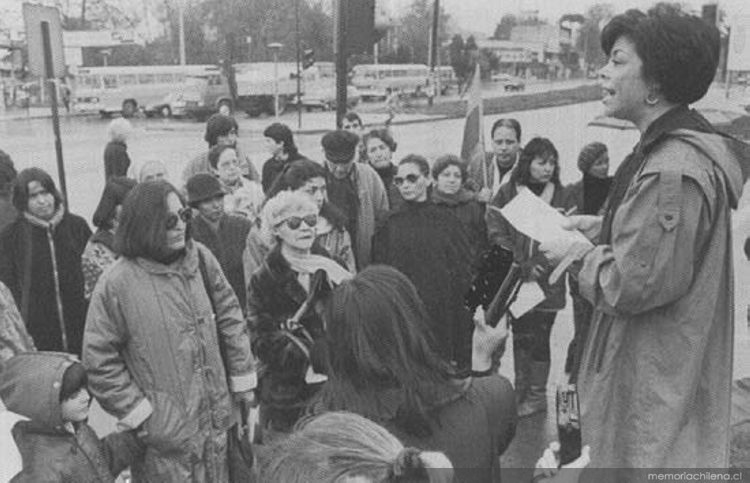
(126, 89)
(373, 80)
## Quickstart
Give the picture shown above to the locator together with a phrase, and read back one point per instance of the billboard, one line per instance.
(738, 57)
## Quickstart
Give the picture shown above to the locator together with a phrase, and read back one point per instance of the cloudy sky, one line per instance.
(483, 15)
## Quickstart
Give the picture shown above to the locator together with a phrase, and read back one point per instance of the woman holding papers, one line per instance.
(538, 171)
(656, 369)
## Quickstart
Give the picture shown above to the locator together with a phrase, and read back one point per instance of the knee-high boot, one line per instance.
(536, 401)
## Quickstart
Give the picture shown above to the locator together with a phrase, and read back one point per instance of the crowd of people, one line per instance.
(335, 296)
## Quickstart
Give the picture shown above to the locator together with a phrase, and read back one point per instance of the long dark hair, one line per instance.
(21, 188)
(380, 341)
(537, 147)
(142, 231)
(295, 175)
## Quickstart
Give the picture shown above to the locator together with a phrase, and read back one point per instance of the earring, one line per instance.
(652, 99)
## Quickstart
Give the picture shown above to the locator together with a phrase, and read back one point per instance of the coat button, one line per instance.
(668, 217)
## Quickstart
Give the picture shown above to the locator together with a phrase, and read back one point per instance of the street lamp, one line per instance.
(275, 47)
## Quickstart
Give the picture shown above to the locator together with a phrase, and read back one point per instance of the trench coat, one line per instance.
(151, 351)
(656, 369)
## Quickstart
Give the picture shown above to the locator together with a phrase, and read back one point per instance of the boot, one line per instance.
(522, 366)
(536, 401)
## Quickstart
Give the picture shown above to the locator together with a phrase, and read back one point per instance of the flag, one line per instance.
(472, 146)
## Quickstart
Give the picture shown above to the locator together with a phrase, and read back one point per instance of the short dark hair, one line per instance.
(379, 339)
(282, 134)
(418, 161)
(352, 116)
(446, 160)
(508, 122)
(536, 148)
(142, 231)
(114, 194)
(215, 153)
(295, 175)
(21, 187)
(680, 52)
(382, 134)
(219, 125)
(7, 173)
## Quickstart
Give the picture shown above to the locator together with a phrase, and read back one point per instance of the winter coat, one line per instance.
(657, 366)
(475, 179)
(151, 350)
(395, 200)
(337, 242)
(8, 212)
(525, 250)
(116, 160)
(575, 193)
(471, 215)
(200, 164)
(39, 264)
(227, 244)
(429, 245)
(14, 338)
(273, 167)
(274, 295)
(373, 209)
(473, 423)
(51, 449)
(97, 257)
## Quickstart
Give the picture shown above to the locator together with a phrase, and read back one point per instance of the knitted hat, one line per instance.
(589, 154)
(340, 145)
(114, 194)
(202, 187)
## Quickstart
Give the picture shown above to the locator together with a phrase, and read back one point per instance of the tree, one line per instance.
(588, 41)
(504, 28)
(415, 30)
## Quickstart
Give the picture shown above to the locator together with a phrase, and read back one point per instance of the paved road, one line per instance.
(174, 142)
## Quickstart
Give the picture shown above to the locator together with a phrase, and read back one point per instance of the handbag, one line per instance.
(239, 447)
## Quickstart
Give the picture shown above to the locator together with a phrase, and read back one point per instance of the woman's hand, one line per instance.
(485, 340)
(484, 195)
(589, 225)
(547, 466)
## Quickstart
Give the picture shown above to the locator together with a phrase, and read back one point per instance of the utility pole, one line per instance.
(341, 60)
(181, 12)
(299, 71)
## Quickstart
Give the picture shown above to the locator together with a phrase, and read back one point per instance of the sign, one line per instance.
(738, 57)
(34, 16)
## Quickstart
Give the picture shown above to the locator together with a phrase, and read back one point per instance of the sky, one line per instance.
(483, 15)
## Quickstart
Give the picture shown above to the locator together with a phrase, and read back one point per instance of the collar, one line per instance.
(187, 265)
(50, 224)
(679, 117)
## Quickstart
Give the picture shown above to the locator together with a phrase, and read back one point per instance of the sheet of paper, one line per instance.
(529, 296)
(530, 215)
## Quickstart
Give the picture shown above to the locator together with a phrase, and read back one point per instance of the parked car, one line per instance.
(509, 82)
(173, 104)
(323, 97)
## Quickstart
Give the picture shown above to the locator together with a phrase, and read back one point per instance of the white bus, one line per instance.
(126, 89)
(373, 80)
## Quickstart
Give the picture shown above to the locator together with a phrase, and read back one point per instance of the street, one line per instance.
(30, 143)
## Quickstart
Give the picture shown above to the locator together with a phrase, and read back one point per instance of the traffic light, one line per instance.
(359, 26)
(308, 58)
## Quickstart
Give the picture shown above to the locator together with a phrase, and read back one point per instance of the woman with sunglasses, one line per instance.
(153, 336)
(276, 292)
(428, 244)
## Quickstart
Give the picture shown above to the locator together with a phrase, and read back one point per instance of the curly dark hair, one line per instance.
(680, 52)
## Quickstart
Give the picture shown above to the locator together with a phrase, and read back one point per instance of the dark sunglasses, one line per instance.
(185, 214)
(411, 178)
(296, 221)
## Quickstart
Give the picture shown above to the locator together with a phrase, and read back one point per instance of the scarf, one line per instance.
(595, 191)
(50, 224)
(308, 264)
(168, 257)
(460, 197)
(680, 117)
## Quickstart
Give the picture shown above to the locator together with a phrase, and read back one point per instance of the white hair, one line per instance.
(279, 208)
(119, 129)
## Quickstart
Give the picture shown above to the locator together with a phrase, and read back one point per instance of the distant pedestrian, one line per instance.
(65, 94)
(222, 233)
(221, 130)
(280, 145)
(353, 122)
(356, 189)
(40, 262)
(100, 253)
(428, 244)
(116, 159)
(8, 174)
(242, 196)
(486, 179)
(392, 104)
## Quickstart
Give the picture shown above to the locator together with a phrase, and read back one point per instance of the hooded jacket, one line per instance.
(30, 385)
(656, 370)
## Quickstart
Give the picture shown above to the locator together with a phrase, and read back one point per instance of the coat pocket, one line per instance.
(168, 429)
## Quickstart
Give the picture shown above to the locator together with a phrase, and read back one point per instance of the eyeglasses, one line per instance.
(411, 178)
(185, 214)
(295, 222)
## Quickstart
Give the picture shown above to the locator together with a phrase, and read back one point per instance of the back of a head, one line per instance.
(340, 446)
(119, 129)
